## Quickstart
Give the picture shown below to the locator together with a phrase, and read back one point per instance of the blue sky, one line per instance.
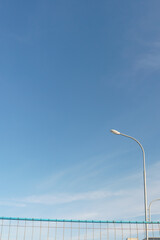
(69, 72)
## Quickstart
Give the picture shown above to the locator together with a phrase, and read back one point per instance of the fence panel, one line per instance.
(47, 229)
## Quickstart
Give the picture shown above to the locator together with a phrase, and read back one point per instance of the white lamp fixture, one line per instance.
(115, 132)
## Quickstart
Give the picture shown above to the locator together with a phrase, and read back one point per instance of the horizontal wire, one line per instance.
(76, 221)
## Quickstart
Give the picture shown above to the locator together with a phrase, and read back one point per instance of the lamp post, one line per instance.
(149, 208)
(144, 176)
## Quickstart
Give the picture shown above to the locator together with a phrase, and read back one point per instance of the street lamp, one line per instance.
(144, 175)
(155, 200)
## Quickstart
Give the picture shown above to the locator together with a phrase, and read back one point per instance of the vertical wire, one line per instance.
(40, 230)
(130, 230)
(122, 230)
(48, 232)
(71, 230)
(79, 231)
(137, 230)
(32, 229)
(24, 231)
(156, 226)
(86, 231)
(100, 231)
(107, 232)
(93, 231)
(1, 229)
(149, 230)
(63, 229)
(17, 230)
(9, 230)
(144, 230)
(152, 231)
(56, 231)
(114, 231)
(159, 227)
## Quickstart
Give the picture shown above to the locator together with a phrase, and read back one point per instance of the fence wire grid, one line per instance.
(47, 229)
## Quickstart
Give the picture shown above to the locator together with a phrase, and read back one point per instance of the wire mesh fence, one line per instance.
(47, 229)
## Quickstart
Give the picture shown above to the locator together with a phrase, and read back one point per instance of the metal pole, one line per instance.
(144, 179)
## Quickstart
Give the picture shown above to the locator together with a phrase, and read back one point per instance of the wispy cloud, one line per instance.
(81, 172)
(151, 58)
(62, 198)
(110, 203)
(12, 203)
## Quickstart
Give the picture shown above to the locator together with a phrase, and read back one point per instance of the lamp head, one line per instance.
(115, 132)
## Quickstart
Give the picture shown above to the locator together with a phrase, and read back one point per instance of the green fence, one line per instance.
(54, 229)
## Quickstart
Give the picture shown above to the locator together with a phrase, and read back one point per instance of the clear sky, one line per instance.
(69, 72)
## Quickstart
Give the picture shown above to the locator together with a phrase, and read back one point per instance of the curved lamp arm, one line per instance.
(144, 167)
(149, 208)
